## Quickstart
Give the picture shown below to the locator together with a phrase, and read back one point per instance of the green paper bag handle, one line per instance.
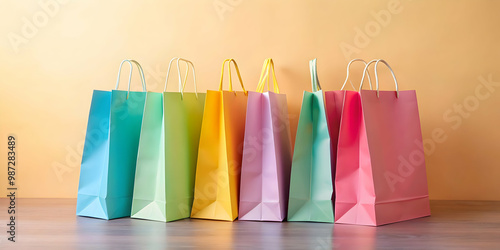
(314, 75)
(182, 84)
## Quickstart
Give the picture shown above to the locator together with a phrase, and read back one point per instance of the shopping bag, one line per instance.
(220, 152)
(267, 153)
(311, 184)
(334, 103)
(168, 149)
(381, 176)
(110, 151)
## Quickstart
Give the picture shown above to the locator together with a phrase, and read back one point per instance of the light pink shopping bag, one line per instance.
(267, 154)
(380, 175)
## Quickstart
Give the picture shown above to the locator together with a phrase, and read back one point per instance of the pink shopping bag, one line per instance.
(267, 154)
(334, 104)
(380, 175)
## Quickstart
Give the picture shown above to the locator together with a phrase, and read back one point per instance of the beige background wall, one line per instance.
(53, 55)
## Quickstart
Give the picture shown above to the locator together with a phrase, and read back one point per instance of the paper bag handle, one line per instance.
(365, 72)
(182, 84)
(347, 77)
(393, 76)
(229, 71)
(178, 71)
(314, 75)
(265, 75)
(141, 72)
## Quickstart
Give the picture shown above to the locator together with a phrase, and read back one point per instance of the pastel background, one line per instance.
(53, 54)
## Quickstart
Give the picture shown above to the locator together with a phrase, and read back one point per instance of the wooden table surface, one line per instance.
(52, 224)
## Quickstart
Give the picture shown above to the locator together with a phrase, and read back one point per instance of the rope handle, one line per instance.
(265, 75)
(376, 61)
(182, 84)
(393, 76)
(314, 75)
(141, 72)
(347, 76)
(229, 71)
(365, 71)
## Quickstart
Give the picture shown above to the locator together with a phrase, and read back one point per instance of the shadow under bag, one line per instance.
(110, 151)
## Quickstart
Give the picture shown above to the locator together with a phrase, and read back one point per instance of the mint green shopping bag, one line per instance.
(168, 149)
(311, 184)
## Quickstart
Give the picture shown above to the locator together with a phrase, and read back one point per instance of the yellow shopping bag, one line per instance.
(217, 180)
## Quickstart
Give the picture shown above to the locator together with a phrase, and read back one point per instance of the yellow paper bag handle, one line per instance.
(264, 78)
(229, 71)
(263, 72)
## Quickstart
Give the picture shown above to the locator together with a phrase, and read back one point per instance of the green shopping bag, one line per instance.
(168, 149)
(311, 184)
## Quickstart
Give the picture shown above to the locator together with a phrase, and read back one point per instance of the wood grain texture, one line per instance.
(52, 224)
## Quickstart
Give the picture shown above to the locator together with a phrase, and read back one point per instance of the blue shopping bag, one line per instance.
(110, 151)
